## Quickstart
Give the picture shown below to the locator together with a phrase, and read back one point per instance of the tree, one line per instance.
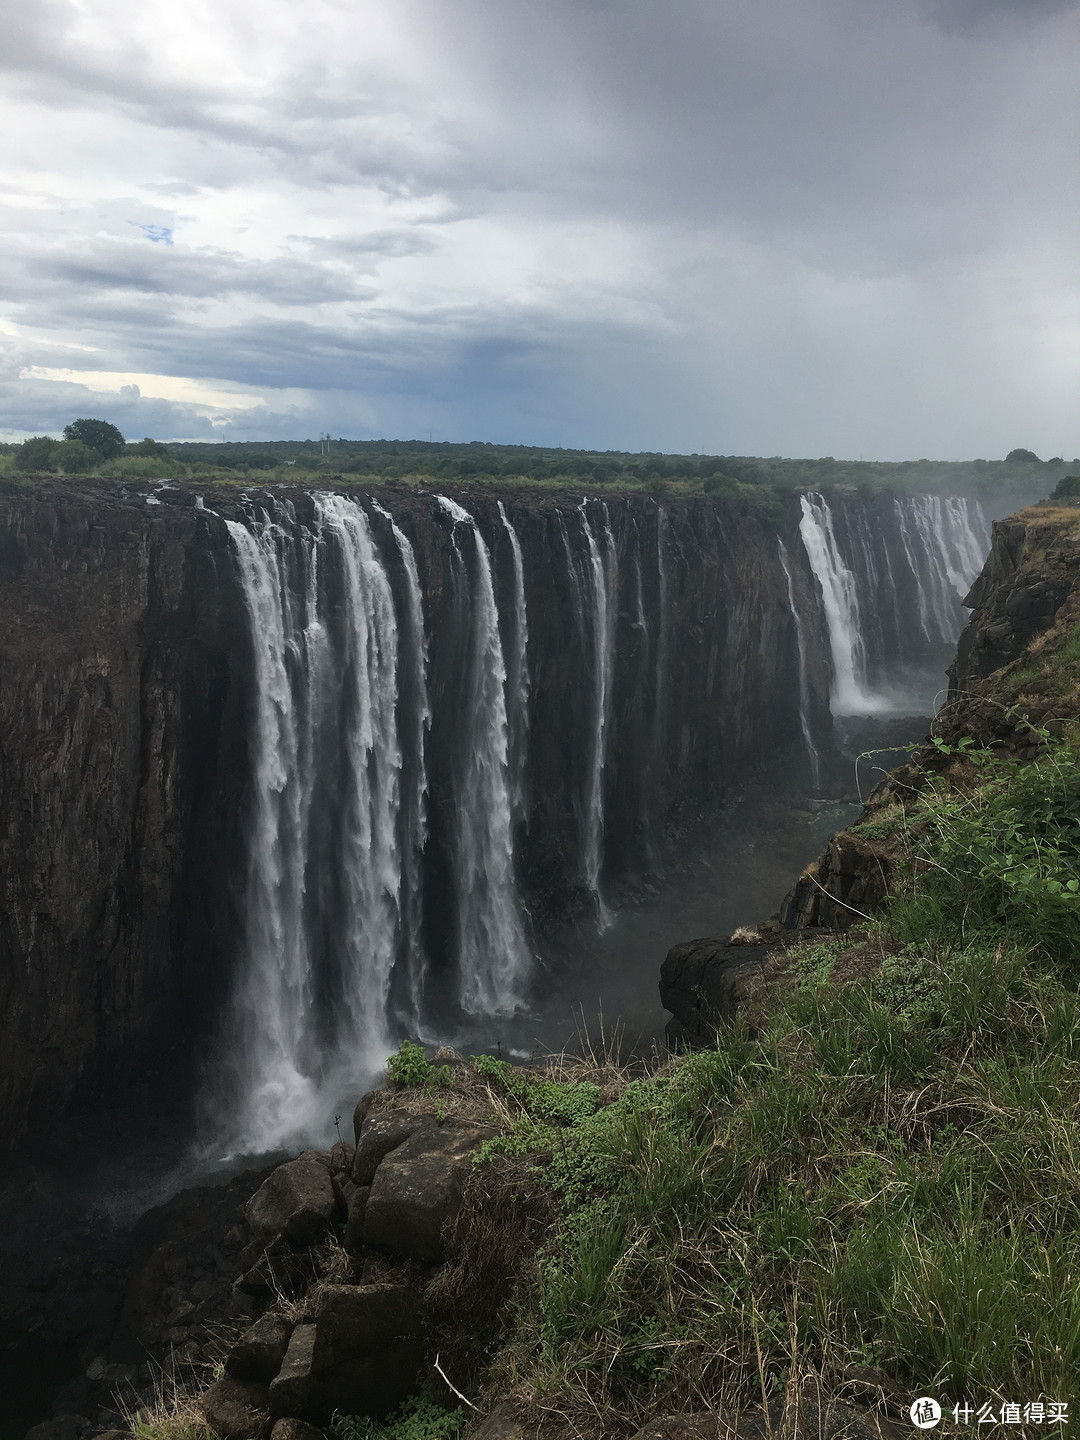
(75, 458)
(1023, 457)
(147, 446)
(104, 439)
(37, 453)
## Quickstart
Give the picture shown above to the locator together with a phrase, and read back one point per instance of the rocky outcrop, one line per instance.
(1031, 571)
(1024, 601)
(847, 884)
(1004, 680)
(702, 983)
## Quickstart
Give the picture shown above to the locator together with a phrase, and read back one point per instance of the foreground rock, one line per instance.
(363, 1354)
(297, 1201)
(703, 983)
(416, 1191)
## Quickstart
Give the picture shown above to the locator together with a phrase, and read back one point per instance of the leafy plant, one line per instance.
(418, 1418)
(411, 1067)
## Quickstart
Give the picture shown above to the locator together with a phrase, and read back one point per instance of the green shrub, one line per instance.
(1003, 858)
(36, 454)
(411, 1067)
(74, 458)
(418, 1418)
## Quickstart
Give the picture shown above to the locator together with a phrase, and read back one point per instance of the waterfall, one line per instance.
(329, 868)
(944, 540)
(660, 709)
(603, 583)
(891, 579)
(518, 674)
(388, 792)
(273, 1000)
(415, 711)
(804, 687)
(840, 598)
(493, 956)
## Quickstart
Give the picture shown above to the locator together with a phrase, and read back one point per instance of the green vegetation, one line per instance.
(419, 1418)
(884, 1172)
(410, 1066)
(748, 482)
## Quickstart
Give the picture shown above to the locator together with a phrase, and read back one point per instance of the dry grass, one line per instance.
(176, 1412)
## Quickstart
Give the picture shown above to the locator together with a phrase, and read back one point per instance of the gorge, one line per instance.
(290, 775)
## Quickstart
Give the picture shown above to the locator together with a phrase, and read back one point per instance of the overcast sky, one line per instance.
(778, 227)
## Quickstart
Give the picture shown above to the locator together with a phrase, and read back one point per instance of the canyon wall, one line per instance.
(285, 775)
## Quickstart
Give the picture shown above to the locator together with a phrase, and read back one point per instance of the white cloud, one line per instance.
(838, 226)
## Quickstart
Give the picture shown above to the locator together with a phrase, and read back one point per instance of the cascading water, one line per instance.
(944, 541)
(493, 953)
(840, 598)
(598, 601)
(332, 859)
(660, 706)
(891, 586)
(415, 714)
(517, 674)
(394, 727)
(804, 686)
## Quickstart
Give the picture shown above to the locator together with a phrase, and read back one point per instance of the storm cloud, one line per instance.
(839, 227)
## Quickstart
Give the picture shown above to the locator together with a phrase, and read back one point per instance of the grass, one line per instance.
(419, 1418)
(884, 1173)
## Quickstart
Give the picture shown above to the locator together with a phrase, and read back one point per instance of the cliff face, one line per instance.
(1027, 590)
(1008, 675)
(119, 725)
(127, 694)
(1024, 601)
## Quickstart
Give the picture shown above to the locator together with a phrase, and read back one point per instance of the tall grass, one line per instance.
(887, 1173)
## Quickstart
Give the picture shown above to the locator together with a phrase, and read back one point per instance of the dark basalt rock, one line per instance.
(379, 1135)
(258, 1354)
(236, 1409)
(701, 982)
(363, 1354)
(416, 1192)
(296, 1430)
(297, 1201)
(847, 884)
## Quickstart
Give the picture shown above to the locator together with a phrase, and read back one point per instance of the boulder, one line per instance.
(360, 1318)
(258, 1354)
(296, 1430)
(416, 1192)
(502, 1423)
(363, 1355)
(381, 1133)
(292, 1388)
(236, 1409)
(702, 983)
(360, 1114)
(297, 1201)
(62, 1427)
(353, 1239)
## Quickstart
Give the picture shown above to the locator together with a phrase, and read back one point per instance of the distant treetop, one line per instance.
(103, 439)
(1026, 456)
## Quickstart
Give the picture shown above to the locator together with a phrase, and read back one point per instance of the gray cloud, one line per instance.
(843, 226)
